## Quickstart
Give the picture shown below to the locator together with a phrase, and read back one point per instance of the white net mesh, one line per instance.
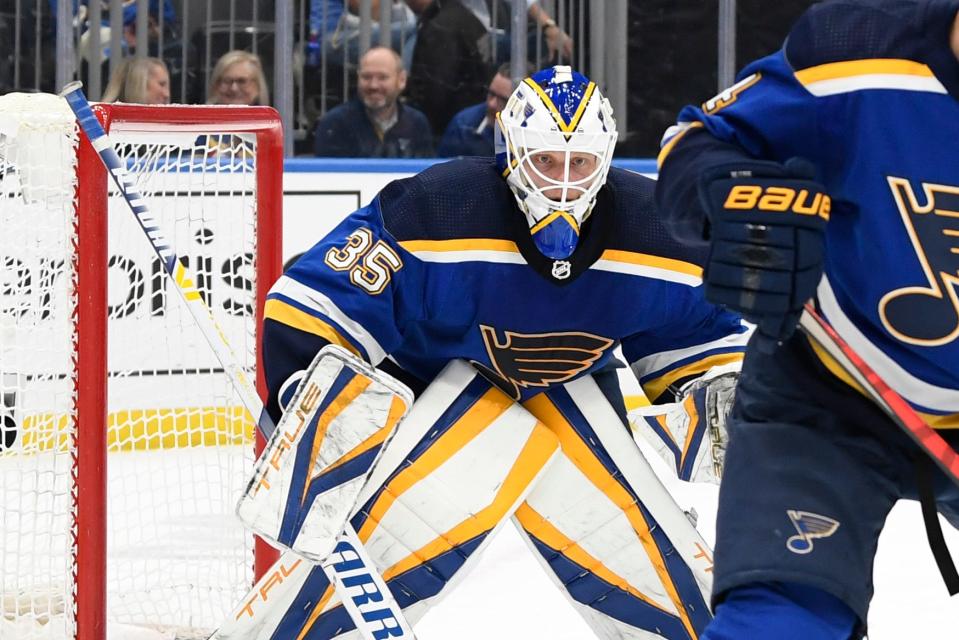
(180, 444)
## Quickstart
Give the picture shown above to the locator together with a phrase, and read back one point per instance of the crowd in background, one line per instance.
(433, 92)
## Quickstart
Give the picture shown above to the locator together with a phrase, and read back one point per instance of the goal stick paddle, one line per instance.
(202, 314)
(888, 400)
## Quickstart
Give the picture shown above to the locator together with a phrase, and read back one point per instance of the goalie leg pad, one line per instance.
(608, 533)
(458, 467)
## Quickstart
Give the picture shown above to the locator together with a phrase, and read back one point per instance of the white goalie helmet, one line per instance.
(554, 145)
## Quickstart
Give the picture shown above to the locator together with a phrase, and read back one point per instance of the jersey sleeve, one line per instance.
(356, 288)
(768, 113)
(691, 337)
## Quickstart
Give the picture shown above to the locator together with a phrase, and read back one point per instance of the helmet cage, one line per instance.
(533, 123)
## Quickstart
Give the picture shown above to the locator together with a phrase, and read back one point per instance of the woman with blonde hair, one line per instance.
(238, 79)
(139, 80)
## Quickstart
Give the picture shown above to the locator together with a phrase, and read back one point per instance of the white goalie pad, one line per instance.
(306, 482)
(609, 534)
(457, 468)
(690, 435)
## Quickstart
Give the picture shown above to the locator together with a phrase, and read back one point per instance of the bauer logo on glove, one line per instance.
(773, 198)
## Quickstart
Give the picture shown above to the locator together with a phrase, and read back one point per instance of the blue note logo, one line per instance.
(925, 312)
(809, 526)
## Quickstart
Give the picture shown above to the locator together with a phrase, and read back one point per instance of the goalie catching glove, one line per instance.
(690, 435)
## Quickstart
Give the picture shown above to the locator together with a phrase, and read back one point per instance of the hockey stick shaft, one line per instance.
(199, 310)
(174, 267)
(900, 411)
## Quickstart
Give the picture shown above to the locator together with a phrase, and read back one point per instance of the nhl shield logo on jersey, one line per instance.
(809, 526)
(926, 313)
(561, 269)
(528, 360)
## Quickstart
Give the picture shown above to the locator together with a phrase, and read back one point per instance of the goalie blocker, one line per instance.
(464, 461)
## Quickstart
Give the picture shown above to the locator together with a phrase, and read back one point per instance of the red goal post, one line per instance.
(128, 405)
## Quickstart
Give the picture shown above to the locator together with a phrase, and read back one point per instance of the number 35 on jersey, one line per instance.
(370, 264)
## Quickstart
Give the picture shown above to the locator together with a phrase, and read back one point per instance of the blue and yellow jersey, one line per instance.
(868, 92)
(442, 265)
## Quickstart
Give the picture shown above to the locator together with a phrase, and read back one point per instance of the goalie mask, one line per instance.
(554, 145)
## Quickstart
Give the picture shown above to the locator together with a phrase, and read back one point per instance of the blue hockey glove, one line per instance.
(767, 223)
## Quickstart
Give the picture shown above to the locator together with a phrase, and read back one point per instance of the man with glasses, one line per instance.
(470, 132)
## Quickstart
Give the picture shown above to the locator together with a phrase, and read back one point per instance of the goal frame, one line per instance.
(91, 198)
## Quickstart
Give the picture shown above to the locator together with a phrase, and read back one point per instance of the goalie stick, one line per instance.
(202, 314)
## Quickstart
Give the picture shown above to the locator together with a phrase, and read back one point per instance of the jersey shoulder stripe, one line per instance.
(637, 234)
(465, 250)
(877, 73)
(650, 266)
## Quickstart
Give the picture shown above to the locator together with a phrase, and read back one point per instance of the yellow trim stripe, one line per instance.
(489, 407)
(537, 451)
(690, 405)
(672, 143)
(298, 319)
(852, 68)
(542, 529)
(353, 389)
(574, 121)
(585, 460)
(648, 260)
(318, 610)
(397, 410)
(655, 387)
(936, 421)
(512, 152)
(634, 401)
(467, 244)
(548, 220)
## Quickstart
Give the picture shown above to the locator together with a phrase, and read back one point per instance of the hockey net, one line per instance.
(120, 467)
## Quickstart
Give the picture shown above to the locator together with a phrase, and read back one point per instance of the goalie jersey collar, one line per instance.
(593, 241)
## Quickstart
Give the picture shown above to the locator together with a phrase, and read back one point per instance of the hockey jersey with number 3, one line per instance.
(869, 92)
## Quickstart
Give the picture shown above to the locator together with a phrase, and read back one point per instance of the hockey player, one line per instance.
(828, 171)
(532, 268)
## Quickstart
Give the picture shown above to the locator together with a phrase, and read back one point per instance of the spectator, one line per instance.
(470, 132)
(128, 38)
(451, 60)
(556, 40)
(139, 80)
(337, 31)
(238, 79)
(376, 124)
